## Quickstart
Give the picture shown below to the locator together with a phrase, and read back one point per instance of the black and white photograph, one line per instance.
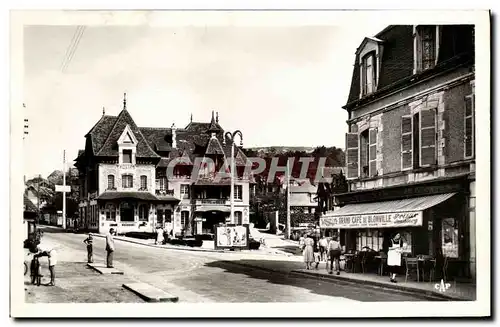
(200, 164)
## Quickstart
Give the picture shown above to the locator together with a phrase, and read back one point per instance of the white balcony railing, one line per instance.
(212, 202)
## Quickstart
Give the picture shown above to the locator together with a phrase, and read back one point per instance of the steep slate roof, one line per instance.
(28, 205)
(456, 48)
(158, 137)
(193, 141)
(110, 147)
(100, 131)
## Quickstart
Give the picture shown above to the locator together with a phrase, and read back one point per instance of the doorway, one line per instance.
(127, 212)
(211, 218)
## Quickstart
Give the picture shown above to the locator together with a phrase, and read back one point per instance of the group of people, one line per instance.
(110, 248)
(329, 250)
(315, 250)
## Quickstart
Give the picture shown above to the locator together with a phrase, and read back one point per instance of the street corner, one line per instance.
(104, 270)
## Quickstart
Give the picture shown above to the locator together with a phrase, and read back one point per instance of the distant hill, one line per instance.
(281, 149)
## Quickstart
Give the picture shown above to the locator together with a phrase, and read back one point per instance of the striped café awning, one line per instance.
(394, 213)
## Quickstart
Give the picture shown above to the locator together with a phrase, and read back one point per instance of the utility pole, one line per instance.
(288, 220)
(38, 197)
(64, 191)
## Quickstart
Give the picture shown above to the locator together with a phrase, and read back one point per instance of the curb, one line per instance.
(184, 249)
(399, 288)
(155, 294)
(159, 246)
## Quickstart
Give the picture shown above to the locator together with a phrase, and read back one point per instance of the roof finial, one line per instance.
(103, 111)
(217, 117)
(124, 101)
(191, 117)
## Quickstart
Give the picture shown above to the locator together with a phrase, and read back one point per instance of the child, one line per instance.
(90, 250)
(36, 276)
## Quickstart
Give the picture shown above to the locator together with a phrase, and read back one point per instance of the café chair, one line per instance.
(411, 265)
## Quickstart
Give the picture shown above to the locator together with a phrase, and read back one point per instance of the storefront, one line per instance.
(431, 218)
(371, 225)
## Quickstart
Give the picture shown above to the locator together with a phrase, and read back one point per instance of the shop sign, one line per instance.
(398, 219)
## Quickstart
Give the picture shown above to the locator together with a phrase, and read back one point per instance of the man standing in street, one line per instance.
(89, 241)
(110, 248)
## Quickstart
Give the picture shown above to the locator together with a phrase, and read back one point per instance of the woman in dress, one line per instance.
(308, 251)
(394, 256)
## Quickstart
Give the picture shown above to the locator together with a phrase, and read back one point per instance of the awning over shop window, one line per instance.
(398, 213)
(213, 208)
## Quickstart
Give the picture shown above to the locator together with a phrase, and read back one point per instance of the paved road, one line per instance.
(198, 276)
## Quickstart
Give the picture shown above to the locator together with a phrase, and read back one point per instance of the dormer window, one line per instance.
(368, 73)
(426, 45)
(127, 156)
(127, 146)
(369, 54)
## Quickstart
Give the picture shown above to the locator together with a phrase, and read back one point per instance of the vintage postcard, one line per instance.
(250, 164)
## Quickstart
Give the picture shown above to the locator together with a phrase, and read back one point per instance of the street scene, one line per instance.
(178, 167)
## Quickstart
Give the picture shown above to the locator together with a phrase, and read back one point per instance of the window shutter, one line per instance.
(352, 156)
(469, 127)
(406, 142)
(427, 137)
(372, 159)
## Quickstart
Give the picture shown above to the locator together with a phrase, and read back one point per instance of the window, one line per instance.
(372, 152)
(449, 236)
(168, 216)
(159, 217)
(111, 182)
(364, 148)
(184, 219)
(143, 212)
(110, 212)
(161, 184)
(144, 182)
(418, 139)
(185, 191)
(469, 127)
(127, 181)
(368, 73)
(352, 156)
(127, 156)
(238, 192)
(426, 47)
(427, 137)
(238, 218)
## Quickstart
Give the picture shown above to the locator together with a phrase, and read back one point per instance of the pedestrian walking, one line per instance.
(110, 248)
(334, 252)
(308, 251)
(394, 256)
(159, 235)
(317, 255)
(323, 244)
(51, 254)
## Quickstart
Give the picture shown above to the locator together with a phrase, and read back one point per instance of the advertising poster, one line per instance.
(231, 236)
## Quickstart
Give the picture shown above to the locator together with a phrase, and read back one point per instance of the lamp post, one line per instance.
(231, 137)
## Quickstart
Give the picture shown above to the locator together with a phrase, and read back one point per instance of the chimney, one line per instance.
(217, 117)
(174, 136)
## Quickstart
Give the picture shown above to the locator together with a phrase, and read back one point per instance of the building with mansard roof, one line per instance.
(138, 178)
(410, 149)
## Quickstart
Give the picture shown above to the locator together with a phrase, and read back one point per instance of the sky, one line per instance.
(278, 85)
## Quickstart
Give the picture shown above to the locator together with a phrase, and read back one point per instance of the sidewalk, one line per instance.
(262, 251)
(76, 283)
(456, 291)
